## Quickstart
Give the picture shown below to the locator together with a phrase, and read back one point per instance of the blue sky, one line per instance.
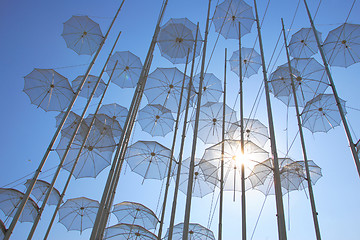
(31, 39)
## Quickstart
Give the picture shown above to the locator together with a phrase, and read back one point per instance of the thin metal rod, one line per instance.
(182, 144)
(302, 139)
(277, 181)
(42, 163)
(172, 150)
(196, 126)
(114, 174)
(337, 99)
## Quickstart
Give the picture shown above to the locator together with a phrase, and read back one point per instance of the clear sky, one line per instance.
(31, 38)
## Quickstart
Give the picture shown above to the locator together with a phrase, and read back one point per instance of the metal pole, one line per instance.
(172, 151)
(193, 151)
(42, 163)
(277, 181)
(182, 144)
(308, 179)
(337, 99)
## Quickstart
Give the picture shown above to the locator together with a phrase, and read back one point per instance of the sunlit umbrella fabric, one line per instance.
(40, 189)
(227, 16)
(196, 232)
(321, 113)
(163, 87)
(211, 88)
(48, 89)
(156, 120)
(254, 131)
(250, 62)
(124, 231)
(89, 85)
(10, 199)
(314, 169)
(342, 45)
(176, 37)
(78, 213)
(127, 71)
(303, 43)
(70, 124)
(149, 159)
(116, 112)
(82, 35)
(135, 213)
(105, 123)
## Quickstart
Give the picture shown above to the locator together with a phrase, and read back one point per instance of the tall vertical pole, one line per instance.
(52, 142)
(172, 150)
(277, 181)
(337, 99)
(308, 178)
(183, 136)
(114, 174)
(241, 93)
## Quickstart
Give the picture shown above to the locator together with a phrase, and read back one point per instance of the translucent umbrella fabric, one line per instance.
(116, 112)
(314, 169)
(135, 213)
(176, 37)
(48, 89)
(205, 177)
(342, 45)
(10, 199)
(303, 43)
(211, 121)
(128, 232)
(196, 232)
(82, 35)
(164, 87)
(127, 71)
(89, 85)
(78, 213)
(103, 122)
(156, 120)
(70, 124)
(212, 87)
(40, 189)
(149, 159)
(250, 62)
(227, 16)
(321, 113)
(254, 131)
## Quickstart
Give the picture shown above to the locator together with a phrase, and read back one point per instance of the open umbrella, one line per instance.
(135, 213)
(40, 189)
(115, 111)
(196, 232)
(321, 113)
(48, 89)
(176, 37)
(124, 231)
(250, 62)
(314, 169)
(303, 43)
(342, 45)
(212, 87)
(78, 213)
(105, 123)
(82, 35)
(70, 124)
(229, 14)
(89, 85)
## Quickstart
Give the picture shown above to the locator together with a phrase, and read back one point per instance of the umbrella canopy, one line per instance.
(105, 123)
(135, 213)
(82, 35)
(176, 37)
(149, 159)
(196, 232)
(10, 199)
(78, 213)
(127, 71)
(40, 189)
(321, 113)
(89, 85)
(254, 131)
(156, 120)
(211, 87)
(115, 111)
(303, 43)
(205, 177)
(48, 89)
(250, 62)
(70, 124)
(314, 169)
(229, 14)
(164, 87)
(309, 77)
(128, 232)
(342, 45)
(211, 121)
